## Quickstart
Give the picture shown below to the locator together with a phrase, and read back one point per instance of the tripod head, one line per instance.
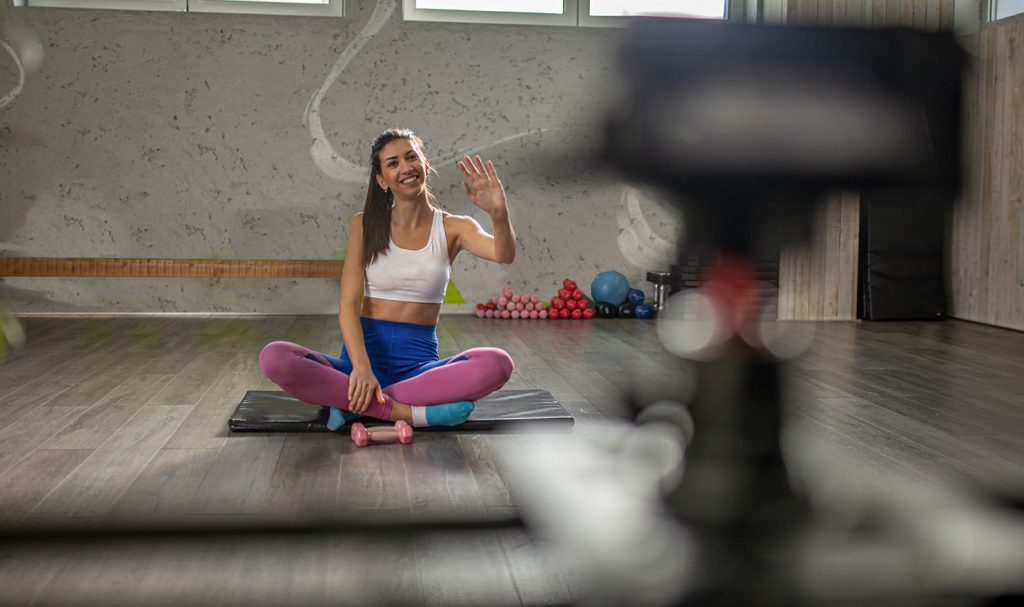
(749, 126)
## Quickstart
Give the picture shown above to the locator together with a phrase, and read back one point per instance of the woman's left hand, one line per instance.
(482, 186)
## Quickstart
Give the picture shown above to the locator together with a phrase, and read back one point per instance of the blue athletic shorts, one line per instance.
(397, 350)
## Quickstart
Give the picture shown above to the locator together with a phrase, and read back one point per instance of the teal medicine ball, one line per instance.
(611, 287)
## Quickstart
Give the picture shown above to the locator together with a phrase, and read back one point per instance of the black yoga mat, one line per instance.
(262, 411)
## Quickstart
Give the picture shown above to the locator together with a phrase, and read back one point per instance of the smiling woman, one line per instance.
(399, 255)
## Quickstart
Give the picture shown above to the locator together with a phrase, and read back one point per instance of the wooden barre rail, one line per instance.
(170, 268)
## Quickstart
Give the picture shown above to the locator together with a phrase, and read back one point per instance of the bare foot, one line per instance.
(400, 411)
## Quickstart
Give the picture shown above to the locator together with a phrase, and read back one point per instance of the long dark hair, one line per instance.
(377, 210)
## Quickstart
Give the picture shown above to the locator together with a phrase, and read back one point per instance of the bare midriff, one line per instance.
(401, 311)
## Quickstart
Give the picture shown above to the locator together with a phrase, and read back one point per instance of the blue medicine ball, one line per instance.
(610, 286)
(636, 297)
(642, 311)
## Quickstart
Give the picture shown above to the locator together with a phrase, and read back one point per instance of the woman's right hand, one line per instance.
(363, 387)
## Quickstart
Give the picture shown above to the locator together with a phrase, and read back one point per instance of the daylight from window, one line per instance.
(283, 1)
(1008, 8)
(686, 8)
(552, 7)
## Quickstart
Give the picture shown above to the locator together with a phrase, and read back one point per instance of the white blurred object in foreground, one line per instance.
(598, 496)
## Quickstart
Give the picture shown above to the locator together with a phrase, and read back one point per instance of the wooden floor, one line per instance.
(104, 421)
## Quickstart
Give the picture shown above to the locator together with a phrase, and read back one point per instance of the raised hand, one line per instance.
(482, 186)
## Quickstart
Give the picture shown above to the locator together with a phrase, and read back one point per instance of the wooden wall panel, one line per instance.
(775, 11)
(819, 281)
(986, 251)
(809, 287)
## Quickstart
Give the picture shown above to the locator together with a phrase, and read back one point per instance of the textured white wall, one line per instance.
(183, 135)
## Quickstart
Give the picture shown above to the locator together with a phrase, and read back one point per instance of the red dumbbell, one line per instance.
(401, 431)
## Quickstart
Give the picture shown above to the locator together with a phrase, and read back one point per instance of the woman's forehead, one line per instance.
(398, 147)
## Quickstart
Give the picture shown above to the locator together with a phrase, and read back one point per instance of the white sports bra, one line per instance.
(412, 275)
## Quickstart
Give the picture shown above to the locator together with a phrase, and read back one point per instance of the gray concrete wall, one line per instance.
(145, 134)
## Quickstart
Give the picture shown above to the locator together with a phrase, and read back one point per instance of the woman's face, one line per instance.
(403, 169)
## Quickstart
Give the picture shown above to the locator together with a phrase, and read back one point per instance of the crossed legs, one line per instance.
(308, 376)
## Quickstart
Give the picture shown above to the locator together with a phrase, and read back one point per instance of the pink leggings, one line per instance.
(310, 377)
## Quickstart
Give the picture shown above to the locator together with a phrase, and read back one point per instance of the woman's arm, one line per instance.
(471, 236)
(484, 189)
(362, 384)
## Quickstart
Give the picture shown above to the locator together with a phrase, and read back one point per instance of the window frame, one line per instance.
(334, 8)
(567, 18)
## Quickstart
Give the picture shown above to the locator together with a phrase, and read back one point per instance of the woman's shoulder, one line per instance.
(458, 222)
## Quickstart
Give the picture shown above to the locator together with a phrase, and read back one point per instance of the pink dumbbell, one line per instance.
(401, 431)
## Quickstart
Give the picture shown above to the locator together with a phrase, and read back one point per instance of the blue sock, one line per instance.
(340, 417)
(448, 414)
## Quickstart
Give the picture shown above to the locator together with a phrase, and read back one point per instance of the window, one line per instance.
(140, 5)
(559, 12)
(334, 8)
(1000, 9)
(520, 12)
(272, 7)
(550, 7)
(711, 9)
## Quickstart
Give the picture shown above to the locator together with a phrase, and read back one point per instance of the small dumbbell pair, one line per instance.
(401, 431)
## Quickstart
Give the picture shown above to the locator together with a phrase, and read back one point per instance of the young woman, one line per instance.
(400, 250)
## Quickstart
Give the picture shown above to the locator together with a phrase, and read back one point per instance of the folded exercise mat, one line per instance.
(262, 411)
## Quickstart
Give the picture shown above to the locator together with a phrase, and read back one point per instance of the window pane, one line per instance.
(128, 5)
(284, 1)
(312, 8)
(685, 8)
(1007, 8)
(553, 7)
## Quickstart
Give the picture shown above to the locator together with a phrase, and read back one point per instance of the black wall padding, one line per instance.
(900, 274)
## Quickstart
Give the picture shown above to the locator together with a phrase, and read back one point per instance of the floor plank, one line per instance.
(92, 428)
(371, 478)
(305, 481)
(166, 486)
(238, 481)
(465, 569)
(206, 426)
(23, 436)
(440, 479)
(34, 477)
(96, 485)
(35, 394)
